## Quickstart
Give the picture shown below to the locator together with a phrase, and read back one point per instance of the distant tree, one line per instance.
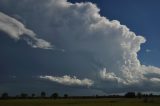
(4, 95)
(65, 95)
(43, 94)
(150, 95)
(97, 96)
(145, 95)
(130, 94)
(24, 95)
(54, 95)
(33, 95)
(139, 95)
(17, 96)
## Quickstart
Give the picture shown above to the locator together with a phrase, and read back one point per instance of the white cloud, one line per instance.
(110, 76)
(156, 80)
(148, 50)
(16, 30)
(67, 80)
(113, 46)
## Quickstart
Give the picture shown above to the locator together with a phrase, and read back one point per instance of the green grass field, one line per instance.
(81, 102)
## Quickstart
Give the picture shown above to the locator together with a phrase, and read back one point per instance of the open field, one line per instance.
(81, 102)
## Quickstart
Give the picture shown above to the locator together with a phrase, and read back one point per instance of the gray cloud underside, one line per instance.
(79, 28)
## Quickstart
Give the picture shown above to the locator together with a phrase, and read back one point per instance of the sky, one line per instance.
(79, 47)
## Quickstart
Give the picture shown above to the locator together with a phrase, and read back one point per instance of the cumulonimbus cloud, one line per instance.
(113, 46)
(16, 30)
(67, 80)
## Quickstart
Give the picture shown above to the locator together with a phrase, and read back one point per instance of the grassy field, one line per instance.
(81, 102)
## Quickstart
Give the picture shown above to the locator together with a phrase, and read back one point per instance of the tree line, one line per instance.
(55, 95)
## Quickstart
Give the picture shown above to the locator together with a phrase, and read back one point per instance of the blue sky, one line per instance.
(75, 46)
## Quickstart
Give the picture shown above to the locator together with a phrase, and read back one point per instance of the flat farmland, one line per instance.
(82, 102)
